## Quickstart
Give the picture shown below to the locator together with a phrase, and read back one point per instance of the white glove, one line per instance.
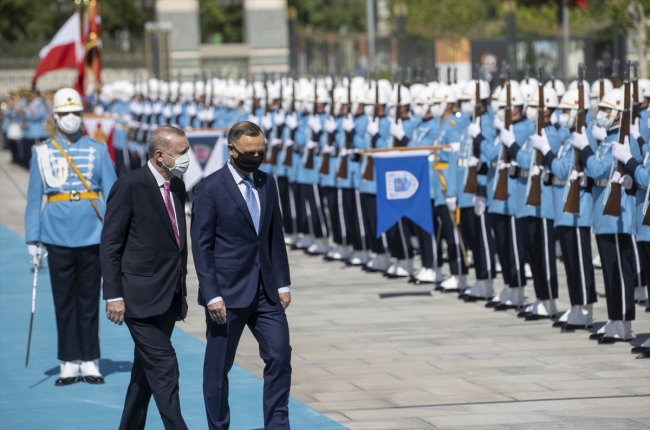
(540, 143)
(291, 121)
(553, 119)
(330, 125)
(288, 143)
(473, 161)
(191, 109)
(498, 124)
(35, 252)
(503, 165)
(314, 124)
(474, 128)
(267, 123)
(373, 127)
(580, 177)
(167, 111)
(252, 118)
(535, 171)
(479, 205)
(508, 136)
(454, 147)
(276, 142)
(311, 144)
(344, 152)
(451, 203)
(621, 151)
(278, 120)
(625, 180)
(329, 149)
(634, 129)
(348, 123)
(178, 109)
(397, 130)
(599, 132)
(580, 140)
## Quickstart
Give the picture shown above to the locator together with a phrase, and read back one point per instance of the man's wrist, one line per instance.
(115, 300)
(284, 290)
(215, 300)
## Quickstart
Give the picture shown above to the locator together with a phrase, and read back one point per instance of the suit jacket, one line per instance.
(229, 255)
(139, 255)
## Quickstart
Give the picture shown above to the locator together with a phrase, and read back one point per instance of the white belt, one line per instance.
(463, 162)
(602, 183)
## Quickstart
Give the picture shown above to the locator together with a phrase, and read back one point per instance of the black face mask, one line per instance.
(246, 162)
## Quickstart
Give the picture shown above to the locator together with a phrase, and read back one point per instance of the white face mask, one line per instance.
(494, 105)
(69, 124)
(181, 163)
(565, 120)
(369, 110)
(604, 120)
(501, 113)
(355, 108)
(418, 110)
(436, 110)
(308, 107)
(467, 108)
(531, 113)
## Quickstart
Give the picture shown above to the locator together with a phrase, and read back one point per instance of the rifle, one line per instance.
(369, 173)
(535, 193)
(501, 192)
(407, 82)
(288, 156)
(309, 162)
(553, 73)
(190, 120)
(449, 75)
(527, 77)
(325, 165)
(471, 185)
(635, 91)
(397, 143)
(455, 75)
(615, 64)
(275, 149)
(601, 80)
(343, 165)
(572, 204)
(613, 205)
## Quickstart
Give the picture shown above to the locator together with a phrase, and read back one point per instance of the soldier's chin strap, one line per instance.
(81, 177)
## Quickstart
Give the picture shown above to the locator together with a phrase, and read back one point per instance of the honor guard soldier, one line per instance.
(71, 170)
(474, 223)
(377, 136)
(34, 117)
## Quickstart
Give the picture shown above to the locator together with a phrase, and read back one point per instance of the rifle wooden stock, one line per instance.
(325, 158)
(275, 150)
(646, 219)
(309, 162)
(369, 173)
(535, 192)
(288, 156)
(471, 186)
(613, 205)
(572, 204)
(501, 193)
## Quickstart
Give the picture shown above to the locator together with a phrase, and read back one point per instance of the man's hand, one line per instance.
(217, 312)
(580, 140)
(115, 311)
(184, 308)
(35, 252)
(285, 299)
(474, 128)
(508, 136)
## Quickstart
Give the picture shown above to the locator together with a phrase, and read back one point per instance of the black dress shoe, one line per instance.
(504, 307)
(94, 380)
(61, 382)
(471, 299)
(596, 336)
(640, 349)
(523, 314)
(574, 327)
(559, 324)
(610, 340)
(646, 354)
(492, 304)
(536, 317)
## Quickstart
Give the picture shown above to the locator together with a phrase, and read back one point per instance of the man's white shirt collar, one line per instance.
(159, 179)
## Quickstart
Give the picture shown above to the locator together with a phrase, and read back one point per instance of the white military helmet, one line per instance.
(613, 100)
(595, 88)
(107, 93)
(557, 85)
(404, 96)
(469, 92)
(199, 88)
(273, 90)
(531, 81)
(441, 97)
(528, 89)
(574, 84)
(322, 95)
(372, 92)
(570, 100)
(164, 89)
(550, 98)
(67, 100)
(644, 87)
(415, 90)
(516, 96)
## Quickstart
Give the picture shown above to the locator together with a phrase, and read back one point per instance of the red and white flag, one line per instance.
(100, 128)
(64, 51)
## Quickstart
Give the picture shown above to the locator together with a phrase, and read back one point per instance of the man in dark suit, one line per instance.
(144, 262)
(243, 272)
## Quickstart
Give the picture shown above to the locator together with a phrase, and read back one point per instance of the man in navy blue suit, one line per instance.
(243, 270)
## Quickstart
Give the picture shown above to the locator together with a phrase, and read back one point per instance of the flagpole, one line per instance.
(402, 149)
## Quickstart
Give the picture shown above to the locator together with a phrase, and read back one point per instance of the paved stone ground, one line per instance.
(424, 361)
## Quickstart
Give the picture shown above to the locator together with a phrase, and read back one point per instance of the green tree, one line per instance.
(224, 17)
(331, 15)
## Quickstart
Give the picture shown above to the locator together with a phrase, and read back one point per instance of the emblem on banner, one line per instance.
(202, 152)
(400, 185)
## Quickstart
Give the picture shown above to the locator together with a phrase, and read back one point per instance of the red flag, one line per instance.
(93, 40)
(581, 3)
(64, 51)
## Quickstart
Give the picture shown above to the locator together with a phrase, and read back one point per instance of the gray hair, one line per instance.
(160, 138)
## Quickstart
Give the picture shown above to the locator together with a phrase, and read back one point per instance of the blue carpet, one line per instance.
(29, 399)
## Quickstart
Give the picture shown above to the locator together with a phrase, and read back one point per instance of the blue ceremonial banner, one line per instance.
(403, 189)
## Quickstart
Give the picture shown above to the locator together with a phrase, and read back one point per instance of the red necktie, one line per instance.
(172, 218)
